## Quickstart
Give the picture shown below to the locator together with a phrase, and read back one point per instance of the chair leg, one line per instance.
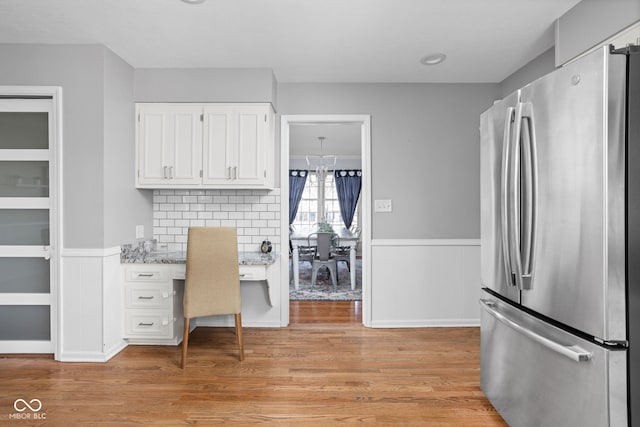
(314, 274)
(185, 342)
(239, 335)
(334, 275)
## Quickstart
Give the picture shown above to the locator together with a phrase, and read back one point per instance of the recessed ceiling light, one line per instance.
(193, 1)
(433, 59)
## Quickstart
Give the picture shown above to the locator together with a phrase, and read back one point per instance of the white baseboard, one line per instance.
(207, 322)
(92, 357)
(427, 323)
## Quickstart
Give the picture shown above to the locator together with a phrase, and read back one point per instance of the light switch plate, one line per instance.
(383, 206)
(139, 231)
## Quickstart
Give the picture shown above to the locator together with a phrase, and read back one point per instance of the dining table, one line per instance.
(301, 237)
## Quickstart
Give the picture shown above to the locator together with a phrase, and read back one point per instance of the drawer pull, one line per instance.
(145, 274)
(143, 297)
(145, 324)
(573, 352)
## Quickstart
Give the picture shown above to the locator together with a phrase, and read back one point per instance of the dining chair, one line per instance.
(212, 280)
(305, 253)
(324, 256)
(343, 253)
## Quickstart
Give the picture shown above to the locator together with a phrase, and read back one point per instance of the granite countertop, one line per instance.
(146, 253)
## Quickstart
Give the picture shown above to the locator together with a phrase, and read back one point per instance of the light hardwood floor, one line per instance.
(325, 369)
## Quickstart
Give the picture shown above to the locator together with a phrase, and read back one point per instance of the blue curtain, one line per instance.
(297, 179)
(348, 185)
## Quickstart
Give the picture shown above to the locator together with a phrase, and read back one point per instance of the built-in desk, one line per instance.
(154, 286)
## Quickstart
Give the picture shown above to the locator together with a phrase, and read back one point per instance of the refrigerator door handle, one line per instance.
(573, 352)
(504, 194)
(515, 209)
(530, 191)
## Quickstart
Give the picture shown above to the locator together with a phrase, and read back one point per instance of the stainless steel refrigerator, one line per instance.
(560, 246)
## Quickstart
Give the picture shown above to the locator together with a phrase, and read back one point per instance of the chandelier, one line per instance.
(322, 164)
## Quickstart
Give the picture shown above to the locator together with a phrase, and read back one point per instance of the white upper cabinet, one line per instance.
(205, 146)
(169, 144)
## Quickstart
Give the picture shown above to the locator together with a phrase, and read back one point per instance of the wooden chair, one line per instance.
(324, 257)
(212, 281)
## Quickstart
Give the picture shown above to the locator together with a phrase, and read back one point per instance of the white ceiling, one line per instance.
(302, 40)
(340, 139)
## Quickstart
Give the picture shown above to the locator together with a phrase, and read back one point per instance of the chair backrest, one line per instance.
(325, 242)
(212, 281)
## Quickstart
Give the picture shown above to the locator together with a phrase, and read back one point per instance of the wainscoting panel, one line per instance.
(90, 305)
(418, 283)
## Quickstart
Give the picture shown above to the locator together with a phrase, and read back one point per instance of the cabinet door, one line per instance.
(169, 144)
(236, 145)
(217, 151)
(250, 126)
(151, 140)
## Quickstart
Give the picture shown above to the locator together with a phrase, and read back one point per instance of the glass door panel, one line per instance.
(24, 227)
(24, 275)
(24, 179)
(24, 130)
(25, 322)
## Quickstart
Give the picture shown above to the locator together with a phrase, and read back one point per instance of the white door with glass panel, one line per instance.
(27, 213)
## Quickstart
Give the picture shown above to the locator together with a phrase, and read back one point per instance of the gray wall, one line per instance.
(591, 22)
(425, 150)
(80, 71)
(124, 206)
(205, 85)
(538, 67)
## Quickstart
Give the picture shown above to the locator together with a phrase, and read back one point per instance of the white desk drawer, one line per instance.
(247, 272)
(149, 274)
(149, 295)
(253, 272)
(148, 323)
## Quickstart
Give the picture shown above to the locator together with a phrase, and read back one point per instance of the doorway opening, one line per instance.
(357, 156)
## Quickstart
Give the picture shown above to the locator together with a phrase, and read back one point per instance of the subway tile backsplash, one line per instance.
(255, 213)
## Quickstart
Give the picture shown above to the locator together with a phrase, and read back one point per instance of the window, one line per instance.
(319, 202)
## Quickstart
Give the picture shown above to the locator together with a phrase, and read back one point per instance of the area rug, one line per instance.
(323, 288)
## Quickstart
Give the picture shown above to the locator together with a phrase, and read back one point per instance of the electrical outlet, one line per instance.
(383, 206)
(139, 231)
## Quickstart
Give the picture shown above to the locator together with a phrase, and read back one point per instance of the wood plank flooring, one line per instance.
(325, 369)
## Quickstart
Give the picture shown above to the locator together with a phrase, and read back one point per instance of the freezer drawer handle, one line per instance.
(574, 353)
